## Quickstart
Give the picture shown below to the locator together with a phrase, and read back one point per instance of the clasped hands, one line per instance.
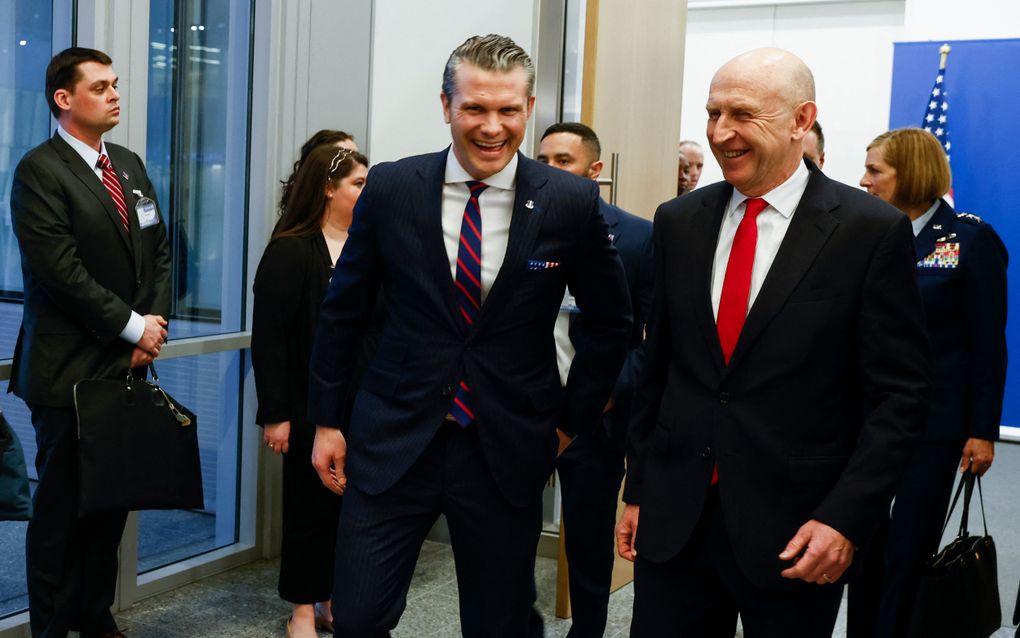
(153, 338)
(820, 554)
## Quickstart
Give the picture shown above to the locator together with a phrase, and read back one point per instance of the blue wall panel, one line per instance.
(984, 113)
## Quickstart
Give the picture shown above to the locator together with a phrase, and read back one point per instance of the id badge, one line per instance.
(147, 213)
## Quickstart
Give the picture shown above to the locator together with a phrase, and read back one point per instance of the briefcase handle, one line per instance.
(966, 485)
(182, 418)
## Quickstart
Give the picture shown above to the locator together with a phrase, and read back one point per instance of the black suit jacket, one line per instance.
(965, 304)
(83, 273)
(827, 387)
(508, 358)
(632, 237)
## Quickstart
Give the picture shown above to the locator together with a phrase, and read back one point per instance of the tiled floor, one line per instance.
(243, 603)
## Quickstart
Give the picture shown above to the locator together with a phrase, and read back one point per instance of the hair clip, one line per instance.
(342, 154)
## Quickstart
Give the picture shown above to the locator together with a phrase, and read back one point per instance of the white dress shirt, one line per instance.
(496, 204)
(922, 221)
(135, 327)
(773, 223)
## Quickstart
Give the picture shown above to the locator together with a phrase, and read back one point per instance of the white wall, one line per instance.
(961, 20)
(848, 47)
(411, 43)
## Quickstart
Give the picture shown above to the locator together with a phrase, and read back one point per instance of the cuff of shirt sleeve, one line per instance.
(135, 328)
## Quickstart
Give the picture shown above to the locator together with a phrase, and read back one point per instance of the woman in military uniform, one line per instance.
(961, 271)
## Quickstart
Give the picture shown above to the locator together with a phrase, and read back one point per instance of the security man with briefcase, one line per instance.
(96, 268)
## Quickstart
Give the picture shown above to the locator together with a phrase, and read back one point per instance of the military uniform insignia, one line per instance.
(969, 217)
(945, 255)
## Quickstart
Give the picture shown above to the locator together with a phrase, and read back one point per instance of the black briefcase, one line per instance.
(137, 447)
(958, 594)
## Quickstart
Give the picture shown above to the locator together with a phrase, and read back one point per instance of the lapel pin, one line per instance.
(612, 238)
(124, 175)
(529, 204)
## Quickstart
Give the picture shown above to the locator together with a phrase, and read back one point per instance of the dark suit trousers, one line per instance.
(881, 596)
(310, 515)
(699, 593)
(493, 543)
(590, 472)
(72, 562)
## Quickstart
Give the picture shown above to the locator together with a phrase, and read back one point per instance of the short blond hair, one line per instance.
(922, 168)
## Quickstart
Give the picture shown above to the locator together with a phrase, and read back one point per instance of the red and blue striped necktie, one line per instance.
(469, 288)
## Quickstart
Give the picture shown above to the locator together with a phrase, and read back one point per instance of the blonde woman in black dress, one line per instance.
(289, 286)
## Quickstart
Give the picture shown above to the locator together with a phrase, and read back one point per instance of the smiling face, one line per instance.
(488, 114)
(92, 106)
(757, 118)
(879, 177)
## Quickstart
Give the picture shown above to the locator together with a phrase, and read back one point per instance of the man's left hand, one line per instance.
(820, 554)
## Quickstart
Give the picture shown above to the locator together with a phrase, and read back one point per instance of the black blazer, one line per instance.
(826, 389)
(83, 274)
(632, 237)
(961, 270)
(290, 283)
(508, 358)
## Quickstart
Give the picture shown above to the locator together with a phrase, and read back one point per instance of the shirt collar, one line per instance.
(783, 198)
(86, 152)
(504, 180)
(922, 221)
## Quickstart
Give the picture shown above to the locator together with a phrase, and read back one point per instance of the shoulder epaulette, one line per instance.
(969, 217)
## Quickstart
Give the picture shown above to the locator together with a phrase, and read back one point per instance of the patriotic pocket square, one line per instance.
(537, 264)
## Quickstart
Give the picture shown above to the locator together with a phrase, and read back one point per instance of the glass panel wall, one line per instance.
(196, 151)
(196, 156)
(27, 40)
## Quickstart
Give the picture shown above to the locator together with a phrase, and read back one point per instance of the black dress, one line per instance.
(290, 283)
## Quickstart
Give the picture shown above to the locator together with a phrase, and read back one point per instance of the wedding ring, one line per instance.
(826, 578)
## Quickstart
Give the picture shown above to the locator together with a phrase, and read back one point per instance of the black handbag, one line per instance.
(15, 497)
(137, 447)
(958, 594)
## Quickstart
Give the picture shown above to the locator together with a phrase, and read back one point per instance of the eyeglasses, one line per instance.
(338, 159)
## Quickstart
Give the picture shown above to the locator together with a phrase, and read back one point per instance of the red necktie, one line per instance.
(469, 287)
(737, 285)
(113, 188)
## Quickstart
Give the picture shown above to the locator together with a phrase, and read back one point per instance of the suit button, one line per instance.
(447, 391)
(724, 397)
(707, 452)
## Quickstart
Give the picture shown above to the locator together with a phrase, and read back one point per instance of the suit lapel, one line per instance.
(88, 177)
(529, 209)
(428, 211)
(809, 230)
(940, 225)
(612, 223)
(704, 236)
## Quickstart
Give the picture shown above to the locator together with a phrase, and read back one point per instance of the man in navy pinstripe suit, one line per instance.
(461, 411)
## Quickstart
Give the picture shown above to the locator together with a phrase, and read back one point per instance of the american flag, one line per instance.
(936, 116)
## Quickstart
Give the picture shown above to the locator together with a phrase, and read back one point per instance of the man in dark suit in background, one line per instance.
(786, 377)
(96, 269)
(459, 410)
(591, 469)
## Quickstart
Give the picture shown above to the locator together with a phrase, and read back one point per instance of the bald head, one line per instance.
(777, 71)
(760, 107)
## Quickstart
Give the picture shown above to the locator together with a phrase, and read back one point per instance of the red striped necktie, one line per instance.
(112, 185)
(469, 288)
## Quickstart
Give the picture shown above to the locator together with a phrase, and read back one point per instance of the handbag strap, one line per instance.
(981, 499)
(956, 497)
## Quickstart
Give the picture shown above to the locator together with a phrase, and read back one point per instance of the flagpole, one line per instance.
(943, 54)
